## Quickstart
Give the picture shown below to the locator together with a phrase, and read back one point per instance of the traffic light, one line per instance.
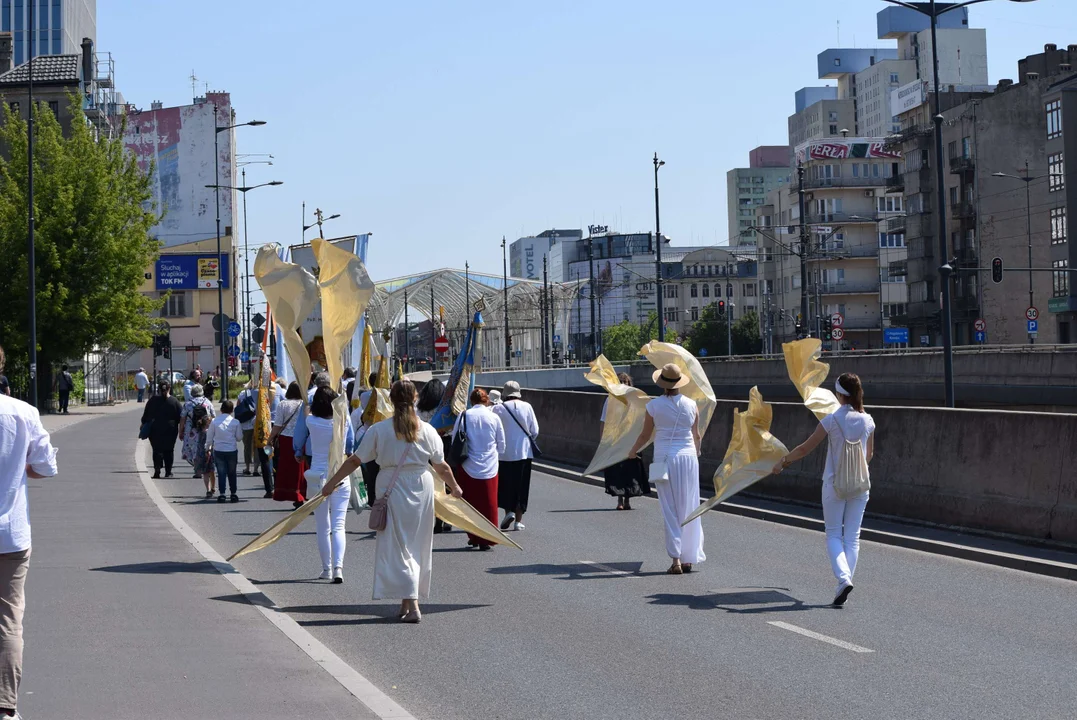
(996, 270)
(721, 307)
(166, 351)
(828, 330)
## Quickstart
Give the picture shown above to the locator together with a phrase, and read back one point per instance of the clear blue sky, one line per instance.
(441, 126)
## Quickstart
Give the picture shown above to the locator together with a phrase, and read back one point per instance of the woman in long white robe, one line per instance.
(407, 450)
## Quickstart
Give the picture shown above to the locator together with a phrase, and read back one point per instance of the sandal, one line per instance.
(686, 567)
(675, 569)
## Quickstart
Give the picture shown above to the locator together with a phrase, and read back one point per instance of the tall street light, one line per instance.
(30, 204)
(319, 219)
(218, 129)
(658, 253)
(505, 290)
(933, 11)
(244, 188)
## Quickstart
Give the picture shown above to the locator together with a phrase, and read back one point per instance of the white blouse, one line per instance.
(673, 416)
(485, 441)
(517, 446)
(381, 444)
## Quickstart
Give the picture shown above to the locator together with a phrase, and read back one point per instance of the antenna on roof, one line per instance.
(194, 85)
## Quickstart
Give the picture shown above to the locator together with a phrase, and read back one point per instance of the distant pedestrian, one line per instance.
(246, 413)
(369, 469)
(495, 398)
(223, 440)
(142, 381)
(194, 420)
(407, 449)
(26, 451)
(195, 378)
(320, 380)
(478, 473)
(673, 420)
(64, 385)
(290, 485)
(514, 464)
(164, 412)
(212, 385)
(349, 383)
(628, 478)
(331, 515)
(850, 435)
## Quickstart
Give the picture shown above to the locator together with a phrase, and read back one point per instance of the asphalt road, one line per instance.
(585, 624)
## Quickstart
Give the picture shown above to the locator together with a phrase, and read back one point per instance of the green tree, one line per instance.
(622, 342)
(93, 213)
(746, 338)
(708, 333)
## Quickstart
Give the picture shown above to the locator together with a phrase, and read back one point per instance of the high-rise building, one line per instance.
(746, 189)
(526, 253)
(61, 26)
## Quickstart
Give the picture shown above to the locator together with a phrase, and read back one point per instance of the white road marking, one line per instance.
(379, 703)
(610, 570)
(816, 636)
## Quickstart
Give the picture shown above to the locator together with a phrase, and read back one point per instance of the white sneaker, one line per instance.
(507, 522)
(518, 526)
(326, 575)
(338, 576)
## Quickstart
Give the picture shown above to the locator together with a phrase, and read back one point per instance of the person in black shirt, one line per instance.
(5, 387)
(64, 385)
(163, 411)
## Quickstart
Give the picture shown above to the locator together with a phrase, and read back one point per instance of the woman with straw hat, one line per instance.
(674, 421)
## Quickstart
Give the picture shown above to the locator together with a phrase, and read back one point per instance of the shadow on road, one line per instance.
(575, 571)
(743, 601)
(366, 614)
(584, 510)
(160, 568)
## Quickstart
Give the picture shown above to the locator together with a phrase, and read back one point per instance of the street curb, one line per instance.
(1038, 566)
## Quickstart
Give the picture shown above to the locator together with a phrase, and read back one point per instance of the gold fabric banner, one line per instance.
(752, 453)
(625, 413)
(809, 375)
(292, 293)
(699, 389)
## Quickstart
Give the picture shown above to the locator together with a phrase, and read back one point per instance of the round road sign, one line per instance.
(442, 344)
(837, 333)
(837, 320)
(1032, 314)
(234, 329)
(980, 325)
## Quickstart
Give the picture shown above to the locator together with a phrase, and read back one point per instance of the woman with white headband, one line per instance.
(851, 445)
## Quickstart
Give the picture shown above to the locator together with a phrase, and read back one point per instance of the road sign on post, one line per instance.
(234, 329)
(258, 320)
(1032, 314)
(837, 320)
(1033, 327)
(441, 345)
(258, 335)
(981, 337)
(837, 334)
(980, 325)
(233, 351)
(896, 336)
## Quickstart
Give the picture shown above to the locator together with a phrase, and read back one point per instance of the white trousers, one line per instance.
(842, 519)
(329, 520)
(679, 498)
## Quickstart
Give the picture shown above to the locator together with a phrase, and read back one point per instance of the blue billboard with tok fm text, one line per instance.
(190, 272)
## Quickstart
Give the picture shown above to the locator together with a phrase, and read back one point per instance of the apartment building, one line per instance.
(746, 189)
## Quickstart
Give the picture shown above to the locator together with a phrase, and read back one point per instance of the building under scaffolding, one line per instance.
(539, 317)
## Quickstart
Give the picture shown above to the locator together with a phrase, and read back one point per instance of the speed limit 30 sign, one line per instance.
(1032, 314)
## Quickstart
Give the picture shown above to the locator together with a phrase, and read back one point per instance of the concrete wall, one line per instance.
(991, 470)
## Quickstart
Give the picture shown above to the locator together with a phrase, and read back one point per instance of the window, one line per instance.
(1056, 167)
(951, 150)
(833, 129)
(717, 290)
(953, 196)
(890, 203)
(749, 289)
(671, 314)
(706, 290)
(671, 292)
(886, 277)
(695, 313)
(833, 116)
(966, 147)
(894, 79)
(1058, 226)
(893, 310)
(54, 107)
(1054, 119)
(768, 287)
(729, 290)
(175, 306)
(796, 281)
(693, 290)
(891, 240)
(1060, 279)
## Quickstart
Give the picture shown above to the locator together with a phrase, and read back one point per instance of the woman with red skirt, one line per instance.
(477, 476)
(291, 485)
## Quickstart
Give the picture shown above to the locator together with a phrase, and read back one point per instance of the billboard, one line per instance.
(841, 149)
(908, 97)
(175, 146)
(189, 272)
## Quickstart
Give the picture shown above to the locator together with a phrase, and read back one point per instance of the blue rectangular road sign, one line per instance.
(896, 335)
(981, 336)
(1033, 327)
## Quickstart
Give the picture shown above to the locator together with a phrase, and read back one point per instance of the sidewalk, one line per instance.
(125, 619)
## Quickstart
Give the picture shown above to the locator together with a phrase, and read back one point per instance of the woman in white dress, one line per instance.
(406, 449)
(841, 518)
(674, 420)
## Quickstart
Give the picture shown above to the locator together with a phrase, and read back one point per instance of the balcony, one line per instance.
(963, 211)
(913, 132)
(967, 257)
(850, 288)
(895, 224)
(860, 323)
(848, 252)
(837, 218)
(962, 164)
(844, 182)
(895, 183)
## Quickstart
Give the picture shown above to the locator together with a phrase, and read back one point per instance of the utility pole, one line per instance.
(505, 283)
(407, 335)
(467, 296)
(658, 253)
(591, 271)
(30, 204)
(546, 322)
(804, 245)
(729, 314)
(433, 332)
(579, 313)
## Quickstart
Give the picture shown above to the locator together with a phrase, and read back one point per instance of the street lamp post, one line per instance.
(217, 130)
(505, 299)
(591, 284)
(30, 204)
(658, 253)
(244, 188)
(933, 11)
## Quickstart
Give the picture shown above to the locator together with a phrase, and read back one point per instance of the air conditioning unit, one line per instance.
(869, 193)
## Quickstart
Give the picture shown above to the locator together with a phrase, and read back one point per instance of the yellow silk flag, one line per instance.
(626, 411)
(698, 390)
(752, 453)
(809, 375)
(280, 528)
(292, 293)
(378, 407)
(364, 363)
(263, 420)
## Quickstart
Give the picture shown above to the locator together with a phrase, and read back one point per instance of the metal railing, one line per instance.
(963, 210)
(842, 218)
(845, 182)
(895, 224)
(849, 288)
(961, 164)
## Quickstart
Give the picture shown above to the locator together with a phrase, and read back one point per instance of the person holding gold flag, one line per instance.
(673, 420)
(406, 449)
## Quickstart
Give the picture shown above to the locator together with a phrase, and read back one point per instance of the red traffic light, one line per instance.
(721, 307)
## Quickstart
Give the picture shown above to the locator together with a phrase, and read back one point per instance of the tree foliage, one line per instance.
(711, 333)
(622, 342)
(93, 213)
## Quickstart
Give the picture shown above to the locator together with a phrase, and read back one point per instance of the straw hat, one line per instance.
(670, 377)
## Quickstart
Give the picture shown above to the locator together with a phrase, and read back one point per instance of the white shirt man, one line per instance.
(25, 451)
(142, 381)
(517, 443)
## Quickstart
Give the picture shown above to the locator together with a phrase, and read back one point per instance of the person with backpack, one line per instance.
(850, 434)
(64, 385)
(197, 412)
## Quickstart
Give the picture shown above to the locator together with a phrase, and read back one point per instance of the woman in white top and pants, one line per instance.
(674, 421)
(405, 449)
(842, 518)
(514, 464)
